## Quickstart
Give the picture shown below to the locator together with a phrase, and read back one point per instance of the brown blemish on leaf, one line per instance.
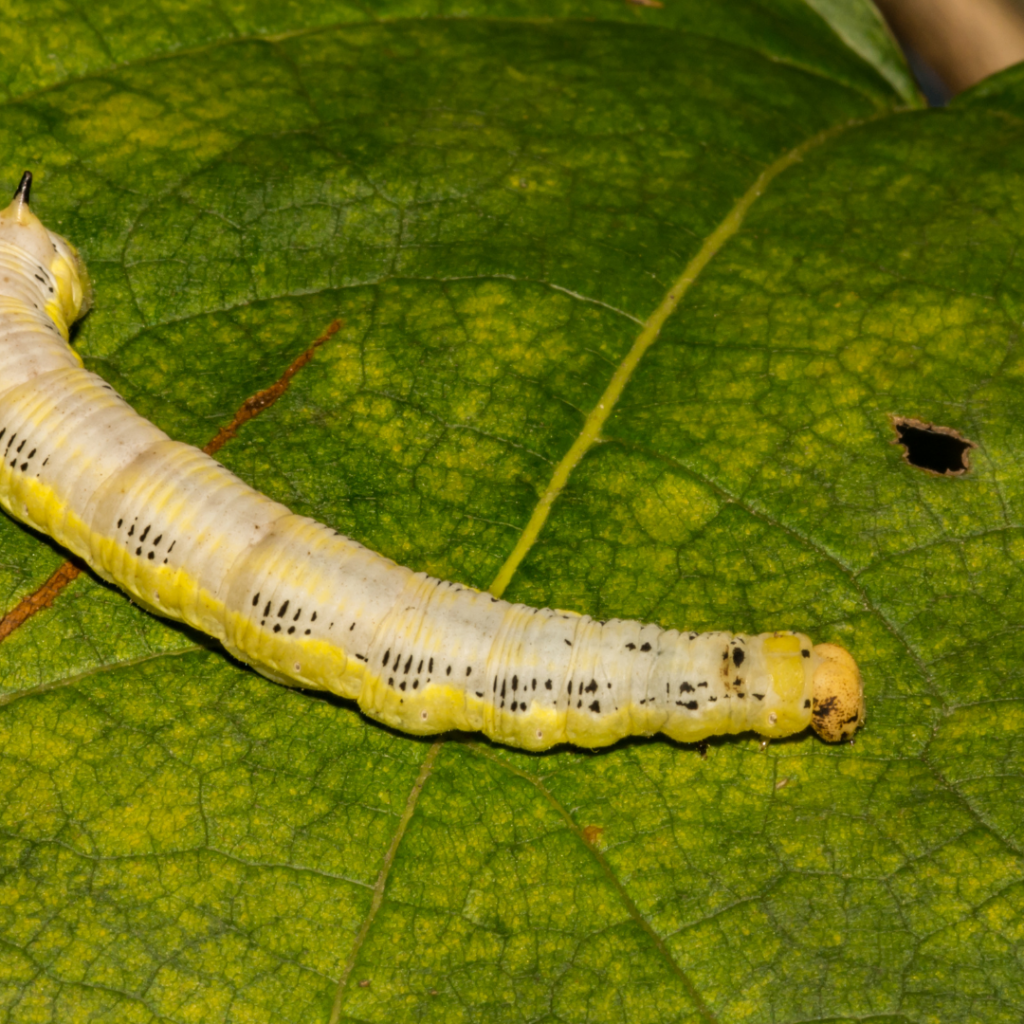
(39, 599)
(264, 399)
(592, 833)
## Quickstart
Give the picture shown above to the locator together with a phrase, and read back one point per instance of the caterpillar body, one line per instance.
(309, 607)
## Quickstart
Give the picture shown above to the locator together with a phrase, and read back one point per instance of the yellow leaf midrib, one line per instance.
(651, 329)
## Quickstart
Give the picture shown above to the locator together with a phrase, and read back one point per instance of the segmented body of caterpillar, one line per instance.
(309, 607)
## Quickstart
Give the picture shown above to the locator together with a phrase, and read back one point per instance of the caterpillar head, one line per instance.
(20, 227)
(837, 695)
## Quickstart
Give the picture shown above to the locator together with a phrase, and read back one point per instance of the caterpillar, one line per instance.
(308, 607)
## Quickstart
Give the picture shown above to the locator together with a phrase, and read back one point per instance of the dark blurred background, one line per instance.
(952, 44)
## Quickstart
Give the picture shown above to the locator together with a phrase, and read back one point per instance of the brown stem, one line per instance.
(963, 41)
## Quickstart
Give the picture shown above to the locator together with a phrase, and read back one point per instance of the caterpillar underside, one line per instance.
(308, 607)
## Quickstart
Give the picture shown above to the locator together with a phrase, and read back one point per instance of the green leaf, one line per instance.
(859, 24)
(495, 202)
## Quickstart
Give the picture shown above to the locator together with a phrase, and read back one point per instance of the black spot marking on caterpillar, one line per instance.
(630, 647)
(266, 611)
(645, 647)
(807, 703)
(939, 450)
(737, 656)
(283, 611)
(685, 688)
(826, 707)
(547, 684)
(255, 599)
(595, 706)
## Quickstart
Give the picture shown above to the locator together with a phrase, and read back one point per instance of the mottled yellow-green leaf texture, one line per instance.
(495, 199)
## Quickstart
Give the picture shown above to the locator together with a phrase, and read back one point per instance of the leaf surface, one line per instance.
(495, 202)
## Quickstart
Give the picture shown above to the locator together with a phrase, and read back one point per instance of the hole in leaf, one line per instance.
(938, 450)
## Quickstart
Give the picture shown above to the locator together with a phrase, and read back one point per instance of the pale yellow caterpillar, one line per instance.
(308, 607)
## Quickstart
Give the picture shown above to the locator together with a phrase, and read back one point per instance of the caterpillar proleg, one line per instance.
(309, 607)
